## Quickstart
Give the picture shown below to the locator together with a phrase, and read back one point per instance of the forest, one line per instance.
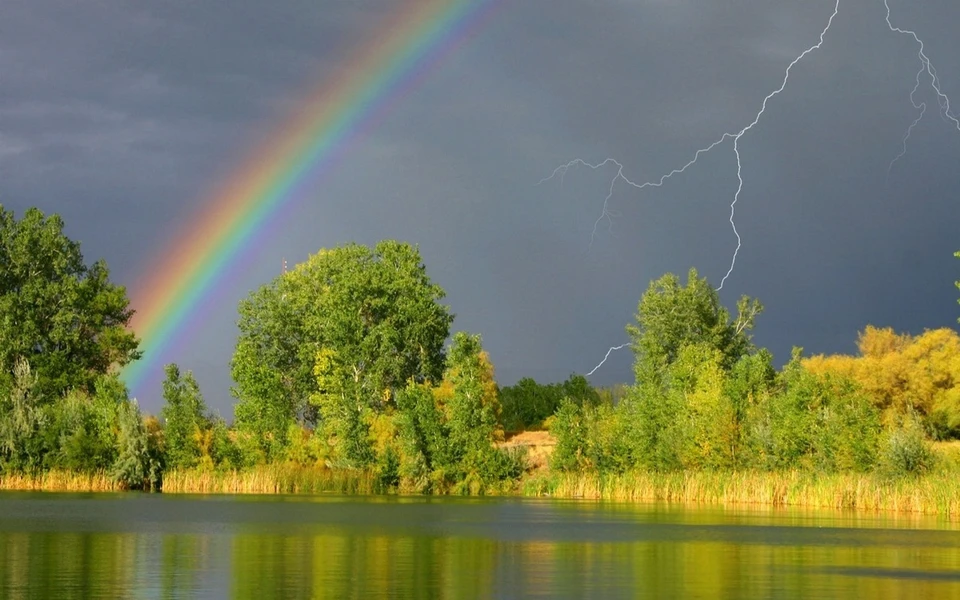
(348, 376)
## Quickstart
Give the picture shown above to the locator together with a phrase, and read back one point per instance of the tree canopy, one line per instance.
(671, 316)
(904, 374)
(361, 320)
(63, 317)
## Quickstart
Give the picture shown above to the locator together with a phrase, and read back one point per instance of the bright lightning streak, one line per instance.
(922, 107)
(605, 213)
(609, 352)
(925, 66)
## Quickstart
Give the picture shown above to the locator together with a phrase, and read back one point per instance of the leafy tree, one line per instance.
(528, 404)
(447, 434)
(184, 418)
(21, 420)
(64, 317)
(369, 319)
(570, 431)
(904, 374)
(671, 316)
(81, 429)
(812, 420)
(132, 466)
(473, 407)
(224, 452)
(469, 400)
(345, 414)
(423, 437)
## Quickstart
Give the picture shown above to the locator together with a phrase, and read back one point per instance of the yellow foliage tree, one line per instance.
(903, 373)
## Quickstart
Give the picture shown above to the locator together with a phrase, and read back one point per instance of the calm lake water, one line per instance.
(155, 546)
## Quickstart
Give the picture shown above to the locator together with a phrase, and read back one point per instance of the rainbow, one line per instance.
(181, 282)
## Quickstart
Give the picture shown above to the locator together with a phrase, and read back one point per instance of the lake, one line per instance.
(166, 546)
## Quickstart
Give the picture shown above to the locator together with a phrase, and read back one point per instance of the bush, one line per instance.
(528, 404)
(569, 429)
(905, 450)
(847, 432)
(22, 417)
(131, 468)
(82, 428)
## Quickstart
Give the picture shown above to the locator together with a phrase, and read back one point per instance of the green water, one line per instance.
(155, 546)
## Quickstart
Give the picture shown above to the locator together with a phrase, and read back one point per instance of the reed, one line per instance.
(60, 481)
(271, 479)
(934, 493)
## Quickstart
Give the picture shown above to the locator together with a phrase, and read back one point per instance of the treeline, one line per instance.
(431, 438)
(346, 364)
(707, 398)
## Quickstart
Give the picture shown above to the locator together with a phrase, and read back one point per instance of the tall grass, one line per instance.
(934, 493)
(271, 479)
(60, 481)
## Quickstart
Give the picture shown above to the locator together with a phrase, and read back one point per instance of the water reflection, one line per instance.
(62, 546)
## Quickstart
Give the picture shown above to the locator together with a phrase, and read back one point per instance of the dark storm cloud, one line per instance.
(123, 118)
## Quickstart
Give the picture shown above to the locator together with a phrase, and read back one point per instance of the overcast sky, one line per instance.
(123, 116)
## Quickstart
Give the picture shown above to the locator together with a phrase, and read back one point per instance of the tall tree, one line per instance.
(62, 316)
(185, 421)
(371, 316)
(671, 316)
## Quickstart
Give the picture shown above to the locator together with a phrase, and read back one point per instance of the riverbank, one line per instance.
(933, 494)
(60, 481)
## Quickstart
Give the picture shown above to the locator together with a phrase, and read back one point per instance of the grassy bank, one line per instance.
(937, 493)
(270, 479)
(60, 481)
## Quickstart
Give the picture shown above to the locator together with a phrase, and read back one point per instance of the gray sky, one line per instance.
(122, 117)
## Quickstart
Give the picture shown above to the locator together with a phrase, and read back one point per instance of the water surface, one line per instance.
(167, 546)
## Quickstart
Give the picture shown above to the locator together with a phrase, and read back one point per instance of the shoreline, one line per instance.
(933, 494)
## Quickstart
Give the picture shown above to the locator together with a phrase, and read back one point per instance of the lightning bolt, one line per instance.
(609, 352)
(925, 67)
(922, 107)
(620, 176)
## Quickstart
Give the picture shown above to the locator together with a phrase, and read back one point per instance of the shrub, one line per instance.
(905, 450)
(569, 429)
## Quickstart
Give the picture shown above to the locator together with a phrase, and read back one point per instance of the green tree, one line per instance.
(368, 319)
(423, 439)
(64, 317)
(21, 419)
(184, 418)
(470, 400)
(527, 404)
(570, 430)
(671, 316)
(132, 465)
